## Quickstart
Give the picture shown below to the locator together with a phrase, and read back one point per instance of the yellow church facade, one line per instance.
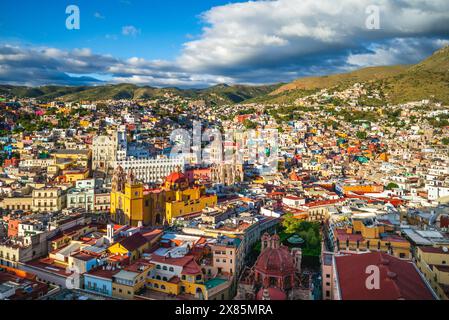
(132, 205)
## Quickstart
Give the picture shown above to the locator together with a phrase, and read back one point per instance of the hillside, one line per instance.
(428, 79)
(362, 75)
(425, 80)
(216, 95)
(225, 94)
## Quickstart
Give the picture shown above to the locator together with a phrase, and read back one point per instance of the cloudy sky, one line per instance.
(197, 43)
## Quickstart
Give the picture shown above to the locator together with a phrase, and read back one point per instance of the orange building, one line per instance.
(361, 188)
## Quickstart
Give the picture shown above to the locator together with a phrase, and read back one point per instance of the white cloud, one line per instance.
(130, 31)
(98, 15)
(258, 42)
(397, 51)
(284, 32)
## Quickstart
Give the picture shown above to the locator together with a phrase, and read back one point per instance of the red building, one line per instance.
(198, 174)
(397, 279)
(276, 274)
(21, 285)
(13, 162)
(275, 266)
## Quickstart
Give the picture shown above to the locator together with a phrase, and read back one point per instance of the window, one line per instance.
(171, 269)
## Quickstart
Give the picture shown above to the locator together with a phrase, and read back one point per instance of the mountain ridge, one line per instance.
(401, 83)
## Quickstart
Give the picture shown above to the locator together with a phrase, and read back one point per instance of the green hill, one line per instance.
(216, 95)
(428, 79)
(362, 75)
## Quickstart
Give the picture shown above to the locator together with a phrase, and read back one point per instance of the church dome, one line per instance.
(176, 177)
(275, 261)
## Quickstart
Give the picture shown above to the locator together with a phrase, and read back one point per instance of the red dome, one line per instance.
(273, 293)
(275, 262)
(176, 177)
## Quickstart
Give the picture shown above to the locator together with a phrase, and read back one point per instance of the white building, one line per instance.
(104, 152)
(150, 170)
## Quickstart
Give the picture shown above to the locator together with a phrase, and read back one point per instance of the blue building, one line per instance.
(100, 281)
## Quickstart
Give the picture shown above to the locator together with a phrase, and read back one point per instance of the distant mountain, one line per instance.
(225, 94)
(217, 95)
(45, 92)
(345, 79)
(403, 83)
(425, 80)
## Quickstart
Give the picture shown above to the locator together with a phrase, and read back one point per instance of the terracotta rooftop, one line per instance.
(133, 242)
(399, 279)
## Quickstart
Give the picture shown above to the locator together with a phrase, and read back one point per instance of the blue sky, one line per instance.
(197, 43)
(164, 25)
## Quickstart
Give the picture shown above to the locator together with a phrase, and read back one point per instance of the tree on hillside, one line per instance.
(361, 135)
(392, 186)
(249, 124)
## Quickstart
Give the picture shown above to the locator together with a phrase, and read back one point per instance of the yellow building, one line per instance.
(362, 237)
(128, 205)
(182, 200)
(177, 276)
(48, 200)
(132, 247)
(79, 157)
(17, 203)
(433, 262)
(84, 123)
(131, 204)
(130, 280)
(75, 175)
